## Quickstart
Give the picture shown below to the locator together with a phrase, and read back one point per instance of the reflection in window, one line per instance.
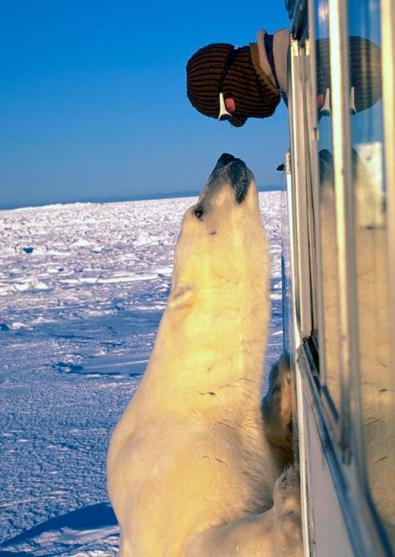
(371, 256)
(330, 335)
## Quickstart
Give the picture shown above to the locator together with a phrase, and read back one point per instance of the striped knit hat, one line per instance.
(254, 93)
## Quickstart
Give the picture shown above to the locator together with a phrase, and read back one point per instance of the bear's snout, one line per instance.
(236, 173)
(239, 179)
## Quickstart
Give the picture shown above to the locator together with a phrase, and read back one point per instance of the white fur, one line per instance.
(189, 468)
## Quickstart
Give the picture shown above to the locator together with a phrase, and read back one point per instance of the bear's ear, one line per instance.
(181, 297)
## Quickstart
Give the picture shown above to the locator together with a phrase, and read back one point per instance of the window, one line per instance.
(367, 149)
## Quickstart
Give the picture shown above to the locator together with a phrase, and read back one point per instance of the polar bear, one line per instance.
(190, 471)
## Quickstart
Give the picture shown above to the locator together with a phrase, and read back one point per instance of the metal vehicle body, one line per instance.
(339, 271)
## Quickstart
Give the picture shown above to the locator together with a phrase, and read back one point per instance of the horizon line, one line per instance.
(120, 199)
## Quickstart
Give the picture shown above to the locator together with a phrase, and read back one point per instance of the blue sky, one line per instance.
(93, 102)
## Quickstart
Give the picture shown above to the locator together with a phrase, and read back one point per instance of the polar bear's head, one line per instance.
(222, 240)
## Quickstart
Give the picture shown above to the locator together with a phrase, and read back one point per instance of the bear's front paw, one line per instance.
(287, 514)
(277, 412)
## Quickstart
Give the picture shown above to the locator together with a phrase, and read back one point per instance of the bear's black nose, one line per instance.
(223, 160)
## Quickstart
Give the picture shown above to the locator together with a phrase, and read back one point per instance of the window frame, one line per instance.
(388, 74)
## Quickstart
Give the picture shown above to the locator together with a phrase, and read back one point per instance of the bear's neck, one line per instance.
(212, 341)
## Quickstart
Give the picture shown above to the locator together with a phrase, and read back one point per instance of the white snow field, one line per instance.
(82, 289)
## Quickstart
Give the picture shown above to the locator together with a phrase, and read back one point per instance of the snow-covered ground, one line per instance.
(82, 289)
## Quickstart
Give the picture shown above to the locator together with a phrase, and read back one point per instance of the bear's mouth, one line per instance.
(235, 172)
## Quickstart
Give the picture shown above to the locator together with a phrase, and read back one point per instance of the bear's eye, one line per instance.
(198, 212)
